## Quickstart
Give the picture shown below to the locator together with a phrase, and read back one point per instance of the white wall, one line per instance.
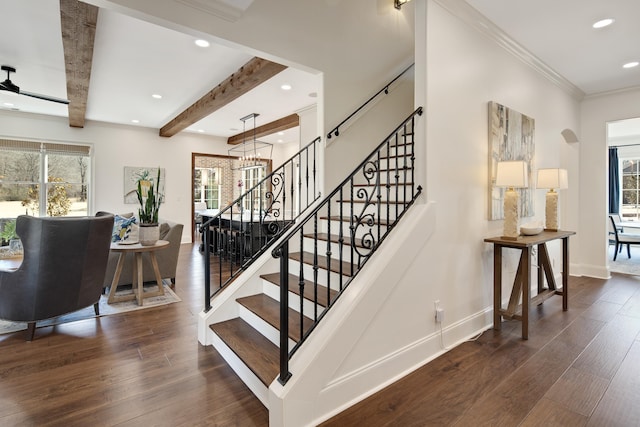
(596, 112)
(118, 146)
(466, 70)
(388, 328)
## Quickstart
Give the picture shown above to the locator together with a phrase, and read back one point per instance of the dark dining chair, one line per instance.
(63, 269)
(620, 238)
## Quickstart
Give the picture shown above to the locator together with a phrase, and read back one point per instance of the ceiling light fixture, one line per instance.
(398, 3)
(156, 96)
(251, 154)
(603, 23)
(202, 43)
(135, 121)
(631, 64)
(285, 87)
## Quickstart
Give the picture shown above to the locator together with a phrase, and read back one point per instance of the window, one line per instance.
(207, 186)
(62, 170)
(630, 189)
(251, 178)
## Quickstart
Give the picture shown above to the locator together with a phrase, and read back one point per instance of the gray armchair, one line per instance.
(65, 260)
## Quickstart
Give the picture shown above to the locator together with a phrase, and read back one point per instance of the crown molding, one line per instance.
(470, 16)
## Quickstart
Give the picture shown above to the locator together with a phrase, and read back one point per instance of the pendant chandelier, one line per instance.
(251, 154)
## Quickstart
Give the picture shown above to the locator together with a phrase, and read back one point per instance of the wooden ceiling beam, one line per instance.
(78, 21)
(284, 123)
(249, 76)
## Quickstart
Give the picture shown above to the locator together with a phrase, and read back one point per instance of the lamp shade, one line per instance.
(512, 173)
(553, 178)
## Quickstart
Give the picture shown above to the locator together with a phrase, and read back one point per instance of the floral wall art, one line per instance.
(511, 137)
(133, 174)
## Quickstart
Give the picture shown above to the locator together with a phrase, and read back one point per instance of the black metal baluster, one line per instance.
(207, 271)
(353, 220)
(396, 175)
(387, 186)
(405, 165)
(315, 273)
(340, 245)
(315, 260)
(284, 313)
(378, 206)
(307, 175)
(301, 286)
(328, 254)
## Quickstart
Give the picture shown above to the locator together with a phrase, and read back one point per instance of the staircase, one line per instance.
(263, 325)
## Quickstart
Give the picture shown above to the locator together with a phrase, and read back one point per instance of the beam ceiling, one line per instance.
(249, 76)
(78, 21)
(284, 123)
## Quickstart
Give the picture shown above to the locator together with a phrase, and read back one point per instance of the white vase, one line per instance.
(148, 234)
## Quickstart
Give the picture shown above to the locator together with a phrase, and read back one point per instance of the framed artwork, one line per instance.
(511, 137)
(133, 174)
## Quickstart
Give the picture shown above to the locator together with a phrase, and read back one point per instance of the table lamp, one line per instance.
(552, 179)
(511, 174)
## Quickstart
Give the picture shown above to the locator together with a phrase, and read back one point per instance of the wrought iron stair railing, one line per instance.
(355, 218)
(239, 235)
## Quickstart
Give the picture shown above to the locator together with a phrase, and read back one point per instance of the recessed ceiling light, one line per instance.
(156, 96)
(285, 87)
(202, 43)
(8, 104)
(135, 121)
(280, 133)
(631, 64)
(603, 23)
(201, 130)
(279, 140)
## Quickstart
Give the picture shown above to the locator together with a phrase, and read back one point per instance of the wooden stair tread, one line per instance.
(307, 258)
(347, 219)
(268, 309)
(294, 286)
(258, 353)
(334, 238)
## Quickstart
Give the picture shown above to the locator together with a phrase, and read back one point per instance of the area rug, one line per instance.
(623, 264)
(106, 309)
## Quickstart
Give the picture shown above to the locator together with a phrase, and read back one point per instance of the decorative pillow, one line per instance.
(122, 228)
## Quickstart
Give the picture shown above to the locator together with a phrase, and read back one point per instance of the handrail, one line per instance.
(336, 130)
(384, 178)
(241, 238)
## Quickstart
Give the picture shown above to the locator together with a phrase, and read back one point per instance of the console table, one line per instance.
(522, 282)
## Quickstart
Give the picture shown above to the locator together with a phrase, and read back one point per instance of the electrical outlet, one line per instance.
(439, 311)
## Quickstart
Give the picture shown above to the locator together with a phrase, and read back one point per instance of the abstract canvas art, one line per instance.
(511, 137)
(133, 174)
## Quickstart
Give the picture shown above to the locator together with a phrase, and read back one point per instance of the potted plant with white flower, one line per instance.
(150, 199)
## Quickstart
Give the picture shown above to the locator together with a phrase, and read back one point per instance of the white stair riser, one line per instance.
(273, 291)
(294, 268)
(334, 247)
(257, 323)
(246, 375)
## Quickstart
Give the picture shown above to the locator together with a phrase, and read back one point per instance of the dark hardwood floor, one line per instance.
(580, 367)
(139, 368)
